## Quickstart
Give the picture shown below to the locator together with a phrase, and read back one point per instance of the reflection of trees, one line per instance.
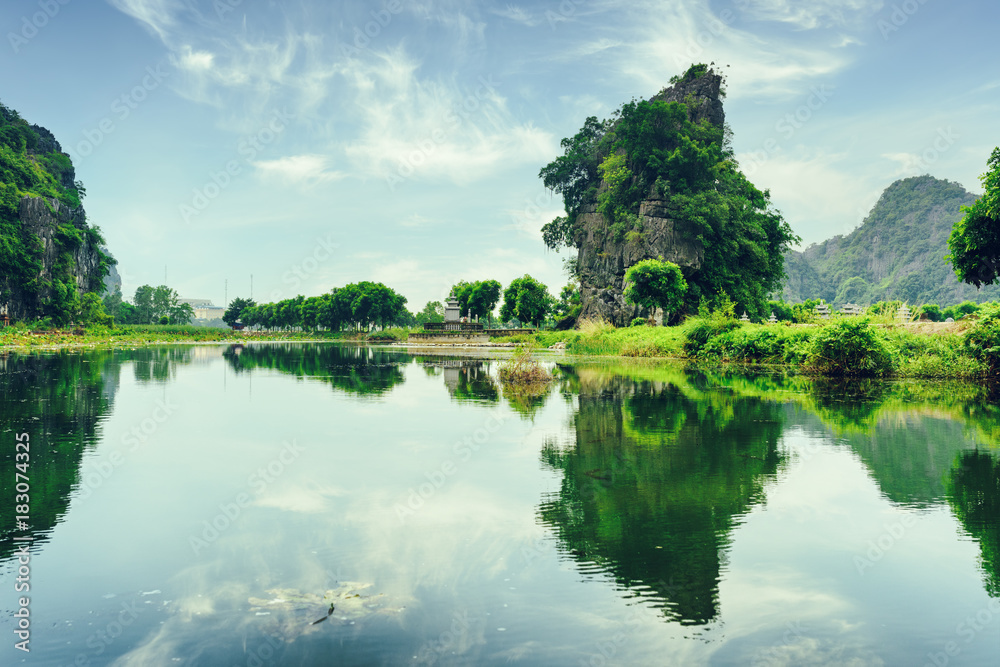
(158, 364)
(465, 379)
(655, 482)
(58, 400)
(354, 369)
(974, 493)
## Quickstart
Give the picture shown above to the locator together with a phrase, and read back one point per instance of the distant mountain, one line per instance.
(897, 252)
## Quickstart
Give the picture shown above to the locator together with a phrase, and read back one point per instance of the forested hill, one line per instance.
(50, 258)
(897, 252)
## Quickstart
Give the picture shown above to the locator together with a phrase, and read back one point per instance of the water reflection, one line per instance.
(654, 483)
(974, 490)
(356, 370)
(466, 379)
(59, 399)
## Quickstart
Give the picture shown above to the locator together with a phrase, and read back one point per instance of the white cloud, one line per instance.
(157, 15)
(659, 41)
(301, 169)
(413, 128)
(810, 14)
(518, 15)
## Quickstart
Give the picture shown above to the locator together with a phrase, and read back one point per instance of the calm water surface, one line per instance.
(205, 505)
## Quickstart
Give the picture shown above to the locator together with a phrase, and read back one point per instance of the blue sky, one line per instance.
(312, 144)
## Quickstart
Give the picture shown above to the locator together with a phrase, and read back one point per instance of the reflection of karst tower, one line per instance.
(653, 485)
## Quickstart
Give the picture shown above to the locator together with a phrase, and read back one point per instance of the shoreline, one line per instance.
(920, 350)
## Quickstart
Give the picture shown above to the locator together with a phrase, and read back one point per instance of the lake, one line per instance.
(205, 505)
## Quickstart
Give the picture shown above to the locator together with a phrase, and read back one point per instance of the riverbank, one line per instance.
(18, 339)
(844, 346)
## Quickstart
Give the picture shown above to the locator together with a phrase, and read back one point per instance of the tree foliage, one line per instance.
(357, 306)
(526, 300)
(234, 311)
(30, 167)
(974, 243)
(653, 283)
(654, 149)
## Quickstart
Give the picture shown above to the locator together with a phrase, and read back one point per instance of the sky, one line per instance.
(304, 145)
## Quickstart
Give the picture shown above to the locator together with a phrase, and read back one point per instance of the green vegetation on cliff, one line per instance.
(677, 152)
(898, 252)
(32, 165)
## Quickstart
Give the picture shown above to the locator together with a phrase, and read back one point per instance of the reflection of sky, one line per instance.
(472, 547)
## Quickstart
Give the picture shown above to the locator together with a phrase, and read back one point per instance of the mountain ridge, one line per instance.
(896, 253)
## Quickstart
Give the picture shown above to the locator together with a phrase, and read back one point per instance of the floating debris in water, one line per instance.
(293, 612)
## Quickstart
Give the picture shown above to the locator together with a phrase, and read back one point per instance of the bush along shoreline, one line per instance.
(874, 346)
(843, 346)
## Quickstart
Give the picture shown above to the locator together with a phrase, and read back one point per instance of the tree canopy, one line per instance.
(356, 306)
(653, 283)
(526, 300)
(974, 243)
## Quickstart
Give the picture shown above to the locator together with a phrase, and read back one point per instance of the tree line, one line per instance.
(367, 305)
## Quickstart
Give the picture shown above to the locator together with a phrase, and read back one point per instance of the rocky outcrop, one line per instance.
(42, 219)
(602, 259)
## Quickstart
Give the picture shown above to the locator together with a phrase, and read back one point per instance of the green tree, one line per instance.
(974, 243)
(932, 311)
(181, 313)
(432, 312)
(526, 300)
(235, 310)
(653, 283)
(143, 301)
(483, 298)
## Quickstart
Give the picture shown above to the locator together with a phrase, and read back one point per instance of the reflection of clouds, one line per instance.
(310, 498)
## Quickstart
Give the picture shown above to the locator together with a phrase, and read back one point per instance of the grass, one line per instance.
(523, 373)
(842, 346)
(21, 336)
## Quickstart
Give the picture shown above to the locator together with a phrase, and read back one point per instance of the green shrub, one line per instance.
(982, 341)
(638, 322)
(698, 331)
(850, 346)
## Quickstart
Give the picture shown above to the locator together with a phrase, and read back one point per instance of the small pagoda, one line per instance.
(455, 329)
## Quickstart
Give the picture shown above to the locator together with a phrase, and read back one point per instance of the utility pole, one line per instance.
(225, 304)
(251, 287)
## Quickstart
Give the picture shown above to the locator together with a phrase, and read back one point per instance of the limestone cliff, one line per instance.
(49, 255)
(602, 258)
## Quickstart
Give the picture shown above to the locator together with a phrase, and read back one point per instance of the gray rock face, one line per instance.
(42, 218)
(602, 261)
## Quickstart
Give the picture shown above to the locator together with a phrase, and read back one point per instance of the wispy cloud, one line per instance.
(308, 169)
(811, 14)
(518, 15)
(435, 127)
